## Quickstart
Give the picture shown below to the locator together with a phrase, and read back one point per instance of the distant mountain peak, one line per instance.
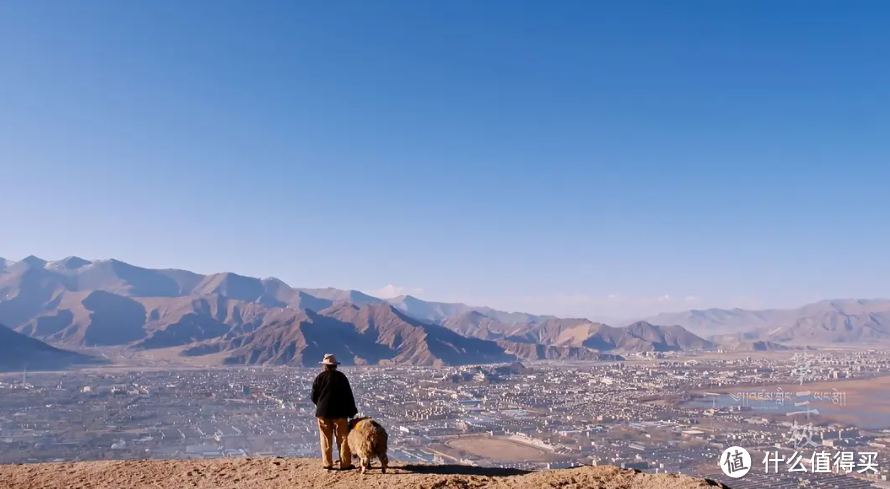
(69, 263)
(405, 298)
(641, 324)
(335, 295)
(475, 314)
(34, 261)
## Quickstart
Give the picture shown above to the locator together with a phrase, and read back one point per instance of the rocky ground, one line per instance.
(291, 473)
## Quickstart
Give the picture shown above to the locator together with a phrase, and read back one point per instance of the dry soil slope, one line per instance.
(277, 473)
(637, 337)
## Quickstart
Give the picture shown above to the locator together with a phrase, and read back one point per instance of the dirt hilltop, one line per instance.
(295, 473)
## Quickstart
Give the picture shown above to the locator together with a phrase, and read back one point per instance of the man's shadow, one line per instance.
(463, 470)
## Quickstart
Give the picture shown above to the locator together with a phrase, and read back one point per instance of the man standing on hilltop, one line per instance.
(334, 404)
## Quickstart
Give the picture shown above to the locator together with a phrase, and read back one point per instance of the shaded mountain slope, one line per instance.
(637, 337)
(756, 345)
(533, 351)
(557, 332)
(297, 338)
(643, 336)
(474, 324)
(129, 280)
(417, 342)
(18, 352)
(373, 334)
(26, 291)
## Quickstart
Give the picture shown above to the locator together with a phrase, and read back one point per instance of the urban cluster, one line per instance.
(664, 412)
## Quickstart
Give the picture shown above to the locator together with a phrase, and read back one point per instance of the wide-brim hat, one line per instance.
(329, 359)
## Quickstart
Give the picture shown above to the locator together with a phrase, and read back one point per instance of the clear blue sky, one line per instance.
(538, 156)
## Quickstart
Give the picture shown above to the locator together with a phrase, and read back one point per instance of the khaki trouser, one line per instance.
(327, 429)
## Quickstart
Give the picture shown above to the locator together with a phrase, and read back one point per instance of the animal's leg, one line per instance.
(365, 462)
(384, 462)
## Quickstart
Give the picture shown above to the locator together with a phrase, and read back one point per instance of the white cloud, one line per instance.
(389, 291)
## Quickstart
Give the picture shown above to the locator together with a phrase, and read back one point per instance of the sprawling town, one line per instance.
(808, 419)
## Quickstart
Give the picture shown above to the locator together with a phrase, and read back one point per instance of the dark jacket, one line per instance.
(332, 396)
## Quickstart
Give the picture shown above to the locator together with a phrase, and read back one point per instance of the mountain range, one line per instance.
(236, 319)
(829, 322)
(245, 320)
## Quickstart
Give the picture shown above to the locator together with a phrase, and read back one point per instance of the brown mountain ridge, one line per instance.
(246, 320)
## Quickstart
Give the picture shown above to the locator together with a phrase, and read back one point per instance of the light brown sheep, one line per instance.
(367, 439)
